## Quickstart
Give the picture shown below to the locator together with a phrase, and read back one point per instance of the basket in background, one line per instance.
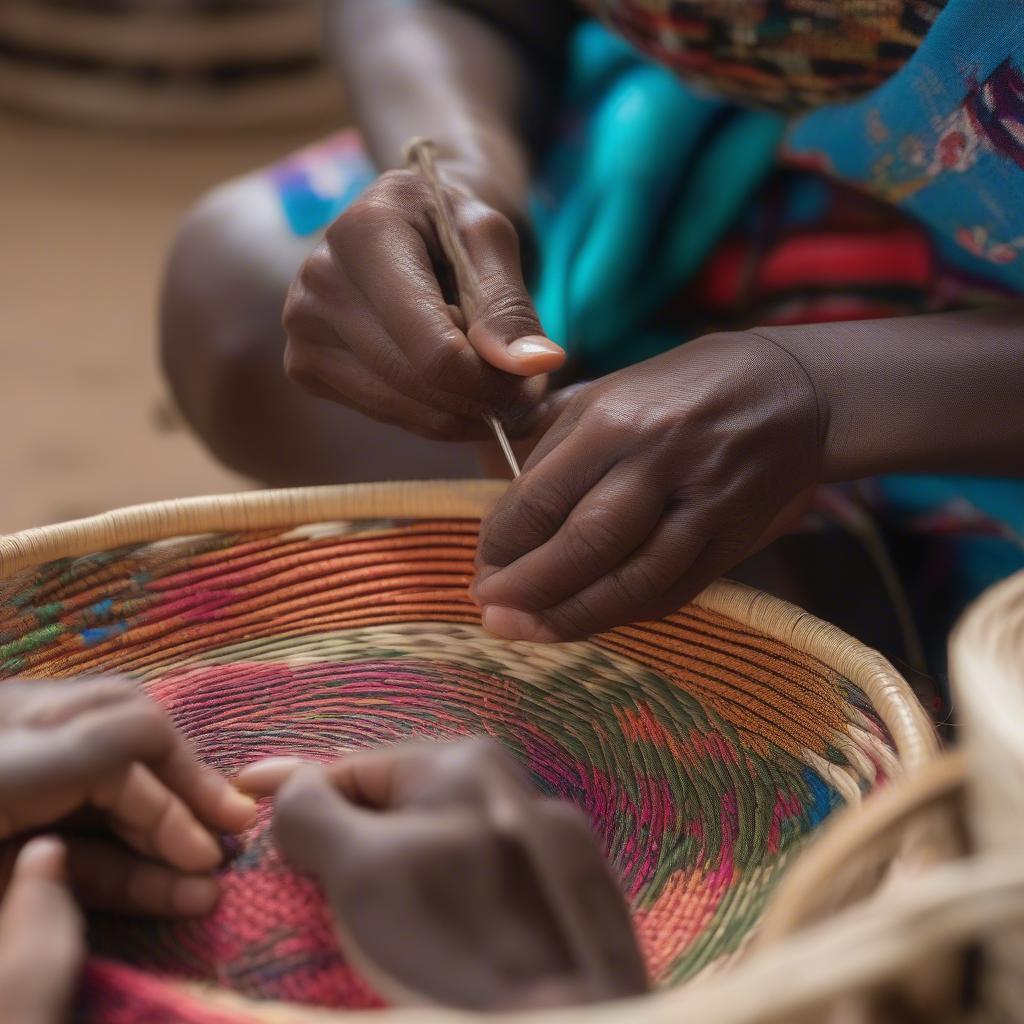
(707, 748)
(987, 665)
(161, 64)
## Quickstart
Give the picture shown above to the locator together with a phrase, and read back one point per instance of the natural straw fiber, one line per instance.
(705, 748)
(987, 665)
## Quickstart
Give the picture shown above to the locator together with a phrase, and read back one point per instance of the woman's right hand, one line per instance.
(371, 324)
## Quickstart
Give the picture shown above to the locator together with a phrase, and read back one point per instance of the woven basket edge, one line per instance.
(911, 729)
(890, 694)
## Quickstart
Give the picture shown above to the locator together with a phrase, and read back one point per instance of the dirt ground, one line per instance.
(85, 219)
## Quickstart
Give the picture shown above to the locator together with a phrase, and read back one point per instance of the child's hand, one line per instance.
(452, 880)
(41, 946)
(99, 760)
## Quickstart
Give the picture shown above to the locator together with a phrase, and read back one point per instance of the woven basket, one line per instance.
(157, 65)
(706, 748)
(987, 662)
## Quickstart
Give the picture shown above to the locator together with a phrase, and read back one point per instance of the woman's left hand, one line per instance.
(651, 484)
(97, 761)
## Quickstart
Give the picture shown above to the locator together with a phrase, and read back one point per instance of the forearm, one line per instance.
(941, 393)
(459, 73)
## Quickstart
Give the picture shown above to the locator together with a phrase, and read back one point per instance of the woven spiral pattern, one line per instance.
(703, 752)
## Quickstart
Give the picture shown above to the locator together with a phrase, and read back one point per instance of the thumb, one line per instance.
(314, 824)
(504, 329)
(41, 946)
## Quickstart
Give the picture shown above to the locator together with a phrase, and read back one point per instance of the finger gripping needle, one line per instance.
(420, 155)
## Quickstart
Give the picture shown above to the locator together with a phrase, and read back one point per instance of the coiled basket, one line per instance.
(706, 748)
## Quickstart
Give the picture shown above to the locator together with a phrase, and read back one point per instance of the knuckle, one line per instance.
(641, 580)
(318, 272)
(396, 191)
(497, 548)
(490, 226)
(298, 365)
(615, 418)
(509, 308)
(591, 534)
(351, 231)
(384, 361)
(296, 317)
(537, 511)
(574, 618)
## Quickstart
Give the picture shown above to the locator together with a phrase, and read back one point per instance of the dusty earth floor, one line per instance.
(85, 219)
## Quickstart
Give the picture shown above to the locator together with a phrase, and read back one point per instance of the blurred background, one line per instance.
(115, 115)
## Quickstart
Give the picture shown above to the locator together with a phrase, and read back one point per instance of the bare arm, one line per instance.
(370, 318)
(477, 76)
(924, 394)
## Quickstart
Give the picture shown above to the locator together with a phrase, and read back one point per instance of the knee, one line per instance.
(221, 340)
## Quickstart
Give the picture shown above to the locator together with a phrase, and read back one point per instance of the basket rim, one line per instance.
(912, 732)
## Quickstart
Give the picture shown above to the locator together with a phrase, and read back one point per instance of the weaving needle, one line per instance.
(419, 154)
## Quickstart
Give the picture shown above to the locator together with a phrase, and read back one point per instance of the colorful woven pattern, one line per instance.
(703, 752)
(789, 54)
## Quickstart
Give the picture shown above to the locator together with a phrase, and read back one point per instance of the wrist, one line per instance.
(505, 192)
(778, 358)
(491, 162)
(825, 359)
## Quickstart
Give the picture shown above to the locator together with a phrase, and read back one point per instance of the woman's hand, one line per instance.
(371, 321)
(452, 880)
(101, 762)
(41, 943)
(652, 483)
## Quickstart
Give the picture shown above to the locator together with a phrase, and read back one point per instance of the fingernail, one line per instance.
(512, 624)
(534, 345)
(193, 897)
(41, 858)
(261, 778)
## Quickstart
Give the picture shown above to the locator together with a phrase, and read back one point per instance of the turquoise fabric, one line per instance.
(644, 180)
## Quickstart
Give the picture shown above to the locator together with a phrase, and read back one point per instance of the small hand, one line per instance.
(453, 881)
(41, 943)
(370, 322)
(651, 484)
(99, 753)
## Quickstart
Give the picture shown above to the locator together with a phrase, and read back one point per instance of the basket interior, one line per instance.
(703, 752)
